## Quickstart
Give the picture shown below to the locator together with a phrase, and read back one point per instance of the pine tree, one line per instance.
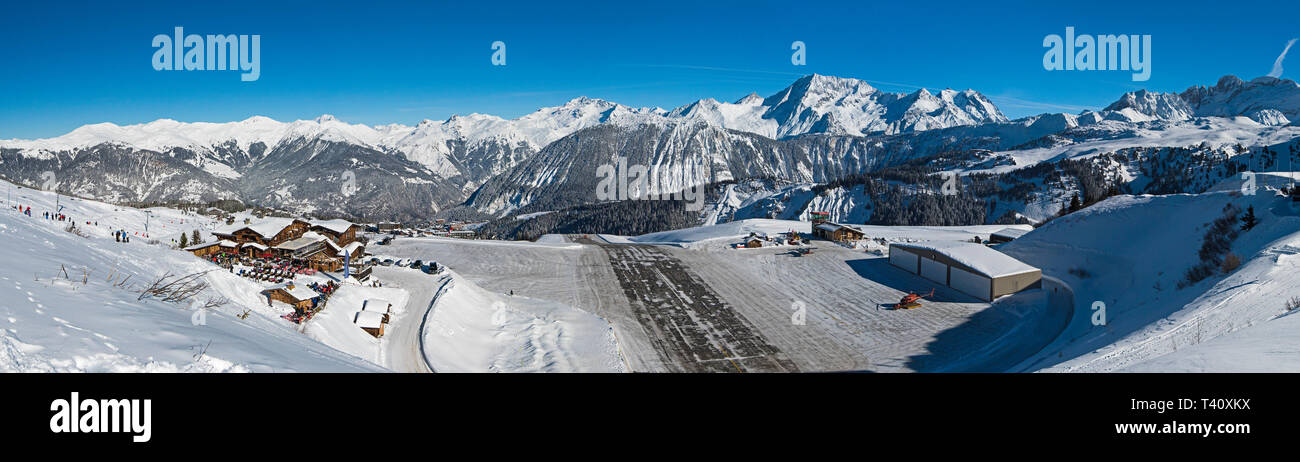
(1249, 221)
(197, 239)
(184, 242)
(1074, 203)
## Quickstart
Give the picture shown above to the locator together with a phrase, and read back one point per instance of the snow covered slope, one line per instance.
(470, 329)
(477, 145)
(1267, 100)
(840, 106)
(1132, 253)
(92, 320)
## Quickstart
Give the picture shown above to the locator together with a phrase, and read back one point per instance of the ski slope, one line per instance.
(90, 320)
(1134, 251)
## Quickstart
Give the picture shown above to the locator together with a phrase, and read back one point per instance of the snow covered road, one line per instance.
(404, 353)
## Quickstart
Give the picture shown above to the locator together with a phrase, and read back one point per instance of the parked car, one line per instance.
(417, 264)
(387, 262)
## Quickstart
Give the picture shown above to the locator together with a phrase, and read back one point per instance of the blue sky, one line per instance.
(63, 65)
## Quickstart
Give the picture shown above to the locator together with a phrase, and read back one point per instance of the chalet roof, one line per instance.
(201, 246)
(268, 227)
(228, 243)
(307, 239)
(1011, 233)
(836, 227)
(351, 248)
(369, 319)
(298, 292)
(330, 242)
(336, 225)
(377, 305)
(254, 245)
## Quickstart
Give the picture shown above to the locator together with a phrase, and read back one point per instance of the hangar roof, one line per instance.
(978, 257)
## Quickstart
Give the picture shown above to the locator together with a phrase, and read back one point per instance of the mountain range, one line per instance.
(816, 130)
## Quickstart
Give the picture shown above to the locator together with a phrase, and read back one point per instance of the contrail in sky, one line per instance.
(1277, 65)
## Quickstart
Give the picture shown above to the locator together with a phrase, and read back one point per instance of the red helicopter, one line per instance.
(912, 300)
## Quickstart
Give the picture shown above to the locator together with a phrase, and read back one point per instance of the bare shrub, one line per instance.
(213, 303)
(175, 289)
(1230, 263)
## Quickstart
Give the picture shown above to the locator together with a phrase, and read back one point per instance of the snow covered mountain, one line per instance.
(1266, 100)
(817, 130)
(841, 106)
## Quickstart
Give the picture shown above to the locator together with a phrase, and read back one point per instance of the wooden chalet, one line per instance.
(205, 249)
(269, 232)
(312, 250)
(301, 298)
(342, 232)
(837, 232)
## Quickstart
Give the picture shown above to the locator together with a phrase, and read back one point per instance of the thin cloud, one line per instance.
(1004, 102)
(1277, 65)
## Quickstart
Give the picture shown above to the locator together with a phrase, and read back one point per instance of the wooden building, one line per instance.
(301, 298)
(836, 232)
(205, 249)
(342, 232)
(269, 232)
(380, 306)
(371, 322)
(312, 250)
(253, 249)
(354, 251)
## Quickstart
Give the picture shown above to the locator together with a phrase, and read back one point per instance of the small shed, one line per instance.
(376, 305)
(1006, 235)
(301, 298)
(753, 242)
(371, 322)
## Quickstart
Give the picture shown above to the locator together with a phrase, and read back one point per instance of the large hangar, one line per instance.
(971, 268)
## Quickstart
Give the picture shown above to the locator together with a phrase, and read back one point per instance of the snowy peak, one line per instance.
(1166, 106)
(812, 104)
(1232, 97)
(824, 104)
(1266, 100)
(751, 99)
